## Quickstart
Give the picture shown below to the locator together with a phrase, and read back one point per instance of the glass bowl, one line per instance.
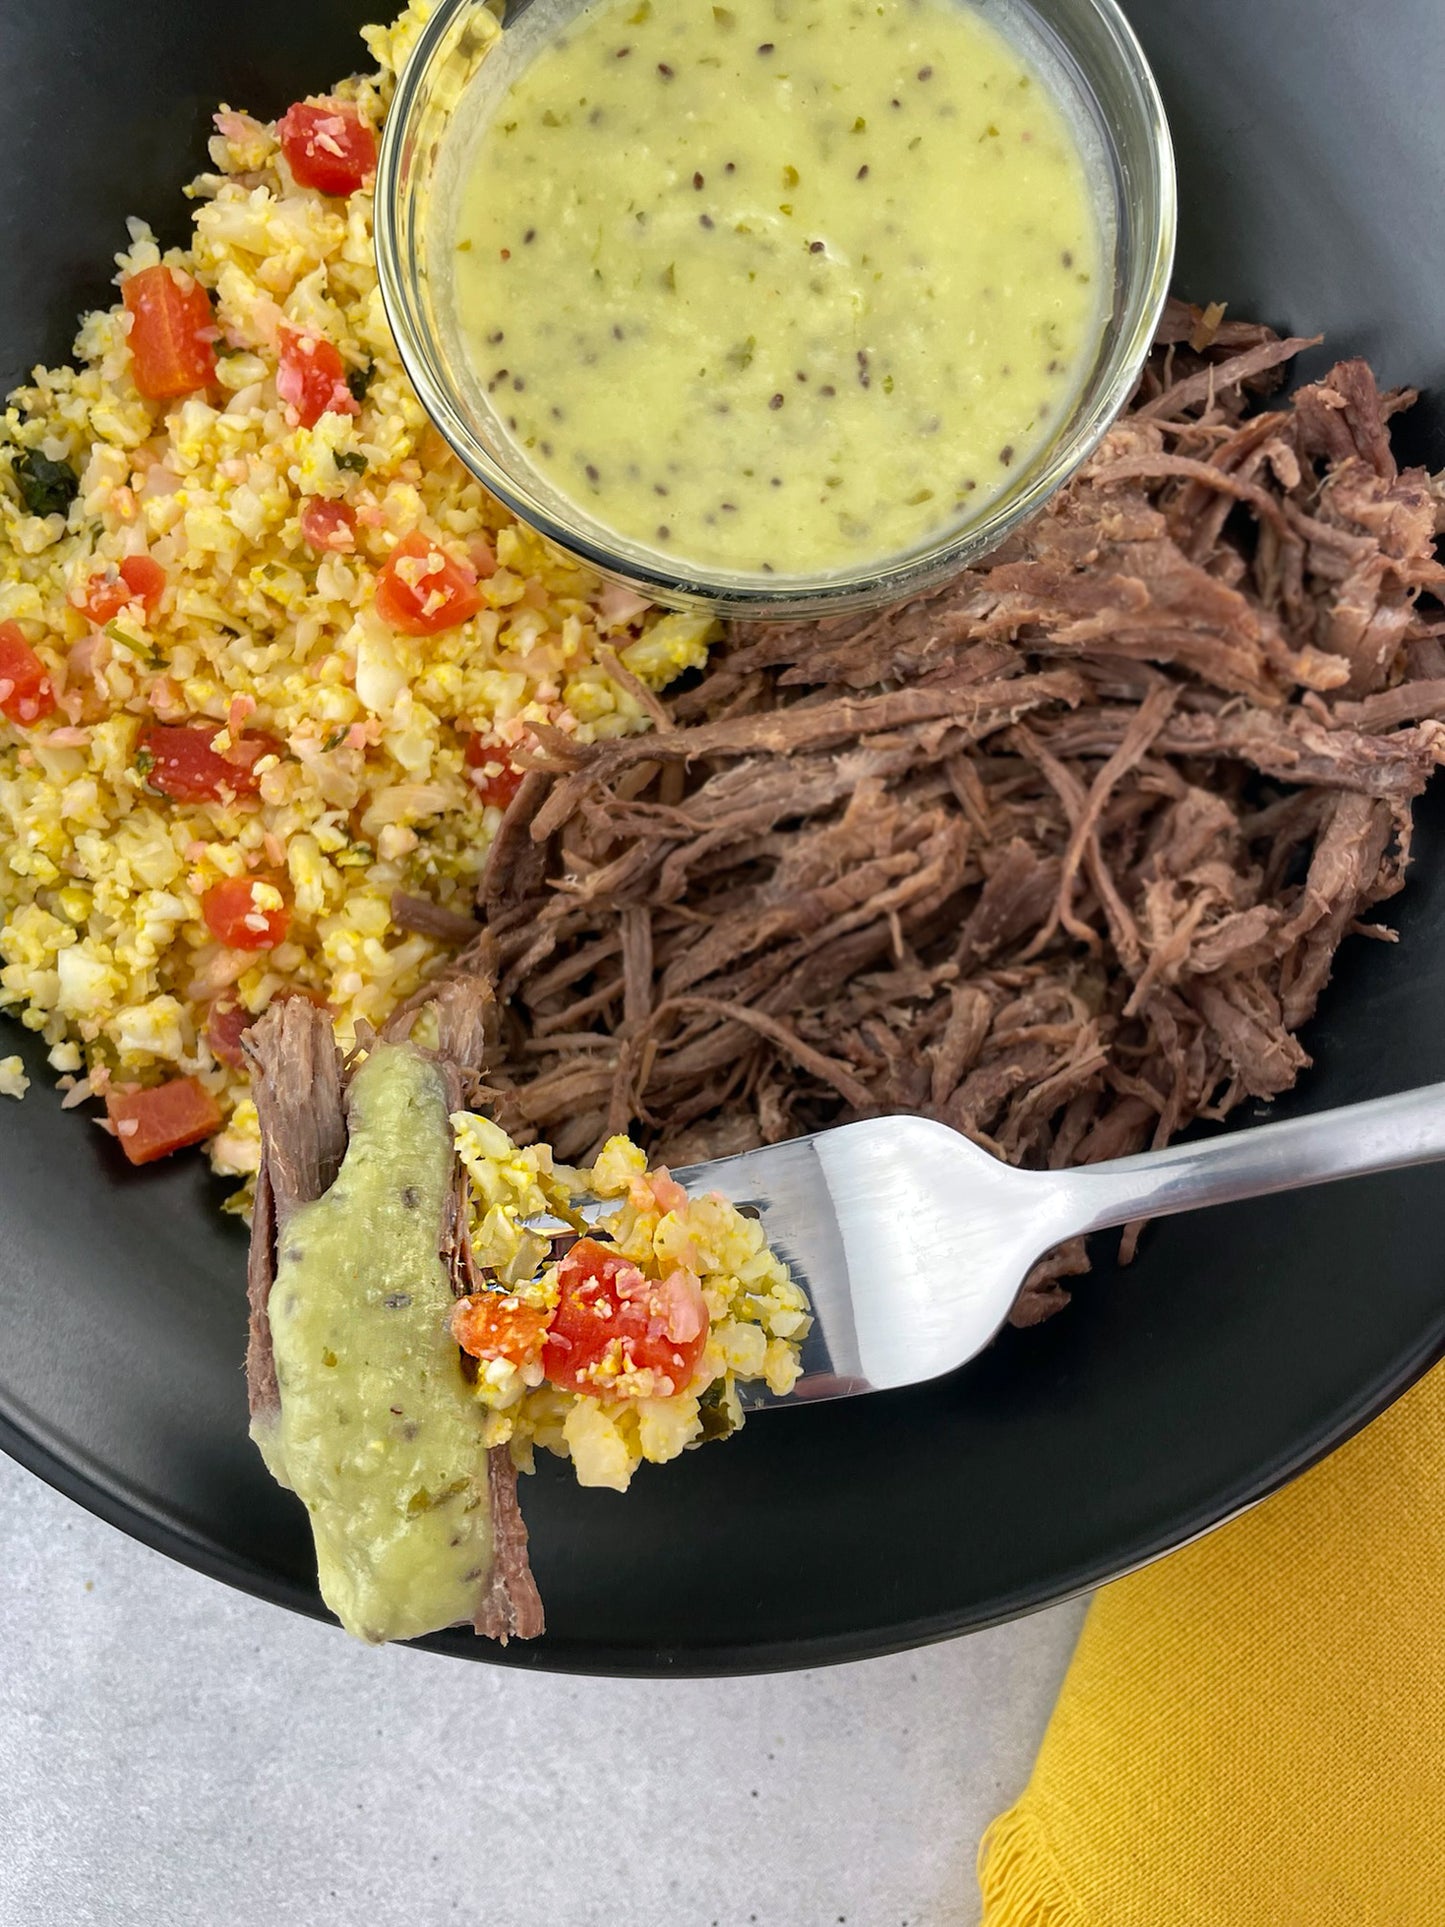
(460, 68)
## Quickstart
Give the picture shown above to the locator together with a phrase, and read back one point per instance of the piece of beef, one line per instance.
(432, 919)
(296, 1082)
(299, 1083)
(510, 1606)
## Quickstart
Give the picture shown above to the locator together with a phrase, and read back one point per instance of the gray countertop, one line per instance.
(172, 1752)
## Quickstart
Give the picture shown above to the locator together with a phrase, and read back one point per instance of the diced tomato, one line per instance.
(138, 579)
(496, 778)
(171, 333)
(151, 1124)
(613, 1324)
(311, 377)
(328, 146)
(491, 1326)
(226, 1025)
(422, 591)
(26, 695)
(328, 525)
(237, 917)
(229, 1021)
(183, 765)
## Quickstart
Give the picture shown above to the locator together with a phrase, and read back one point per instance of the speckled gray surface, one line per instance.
(171, 1752)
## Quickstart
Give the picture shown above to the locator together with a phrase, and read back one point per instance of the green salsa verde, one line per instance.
(379, 1433)
(768, 284)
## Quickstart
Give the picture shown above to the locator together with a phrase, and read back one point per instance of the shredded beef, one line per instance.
(296, 1082)
(431, 919)
(1060, 853)
(299, 1081)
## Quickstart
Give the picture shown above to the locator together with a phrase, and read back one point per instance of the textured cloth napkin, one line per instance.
(1252, 1731)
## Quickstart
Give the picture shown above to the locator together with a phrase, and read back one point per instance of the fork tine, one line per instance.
(910, 1242)
(789, 1189)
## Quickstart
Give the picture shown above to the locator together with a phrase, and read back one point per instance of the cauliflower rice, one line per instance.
(757, 1317)
(104, 948)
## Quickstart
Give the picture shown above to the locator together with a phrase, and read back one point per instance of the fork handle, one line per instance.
(1382, 1135)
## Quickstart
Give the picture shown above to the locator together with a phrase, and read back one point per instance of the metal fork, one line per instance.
(912, 1243)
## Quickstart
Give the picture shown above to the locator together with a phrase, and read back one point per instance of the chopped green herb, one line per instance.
(714, 1410)
(128, 642)
(46, 487)
(359, 380)
(349, 459)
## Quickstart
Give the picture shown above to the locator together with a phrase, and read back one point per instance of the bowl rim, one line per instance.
(99, 1491)
(873, 583)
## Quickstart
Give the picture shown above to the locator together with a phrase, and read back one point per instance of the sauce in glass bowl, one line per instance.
(770, 285)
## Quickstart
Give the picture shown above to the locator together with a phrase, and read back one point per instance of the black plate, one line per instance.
(1241, 1346)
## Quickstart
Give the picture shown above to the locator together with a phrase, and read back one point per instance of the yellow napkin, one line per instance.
(1252, 1731)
